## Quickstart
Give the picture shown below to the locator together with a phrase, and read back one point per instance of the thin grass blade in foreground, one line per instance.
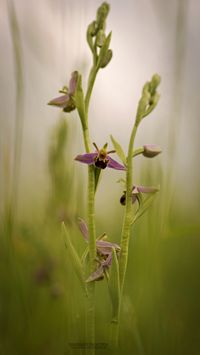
(19, 107)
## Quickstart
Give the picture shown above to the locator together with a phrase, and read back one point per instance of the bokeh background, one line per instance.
(41, 304)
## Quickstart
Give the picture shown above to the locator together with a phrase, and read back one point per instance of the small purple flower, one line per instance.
(136, 191)
(100, 159)
(104, 252)
(66, 102)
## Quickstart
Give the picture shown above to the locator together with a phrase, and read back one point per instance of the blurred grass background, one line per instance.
(41, 302)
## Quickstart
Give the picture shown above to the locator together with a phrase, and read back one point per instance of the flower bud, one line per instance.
(143, 104)
(151, 150)
(107, 58)
(92, 29)
(155, 81)
(100, 40)
(102, 13)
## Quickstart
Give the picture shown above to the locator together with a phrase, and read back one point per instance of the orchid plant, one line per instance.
(103, 259)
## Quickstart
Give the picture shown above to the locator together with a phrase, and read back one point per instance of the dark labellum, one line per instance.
(123, 199)
(100, 278)
(70, 106)
(99, 163)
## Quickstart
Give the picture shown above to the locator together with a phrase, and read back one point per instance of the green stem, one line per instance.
(114, 335)
(91, 219)
(90, 317)
(126, 228)
(91, 81)
(90, 314)
(138, 151)
(86, 138)
(128, 212)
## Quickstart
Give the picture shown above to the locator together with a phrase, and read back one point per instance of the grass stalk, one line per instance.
(19, 116)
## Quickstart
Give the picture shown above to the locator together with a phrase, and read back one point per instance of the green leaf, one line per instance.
(103, 51)
(85, 255)
(144, 205)
(114, 286)
(119, 150)
(79, 100)
(75, 260)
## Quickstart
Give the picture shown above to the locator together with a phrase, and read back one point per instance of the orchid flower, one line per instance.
(66, 102)
(104, 252)
(136, 192)
(100, 159)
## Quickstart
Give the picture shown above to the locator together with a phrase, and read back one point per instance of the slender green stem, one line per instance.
(125, 229)
(91, 219)
(90, 325)
(128, 211)
(86, 138)
(114, 334)
(90, 314)
(91, 81)
(138, 151)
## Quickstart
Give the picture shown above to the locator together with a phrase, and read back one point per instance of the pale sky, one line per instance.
(144, 41)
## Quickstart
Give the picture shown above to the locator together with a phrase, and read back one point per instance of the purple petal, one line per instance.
(60, 101)
(105, 244)
(73, 83)
(87, 158)
(114, 164)
(83, 228)
(145, 189)
(96, 274)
